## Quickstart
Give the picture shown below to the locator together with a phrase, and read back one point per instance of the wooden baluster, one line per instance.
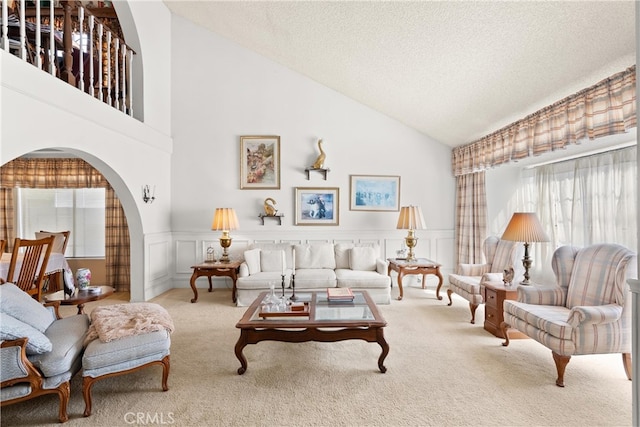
(81, 49)
(130, 83)
(91, 54)
(23, 32)
(52, 40)
(5, 26)
(38, 36)
(116, 52)
(123, 78)
(108, 71)
(100, 59)
(67, 67)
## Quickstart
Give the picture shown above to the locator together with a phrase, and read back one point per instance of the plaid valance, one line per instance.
(607, 108)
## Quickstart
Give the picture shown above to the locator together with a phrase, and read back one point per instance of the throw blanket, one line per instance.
(111, 322)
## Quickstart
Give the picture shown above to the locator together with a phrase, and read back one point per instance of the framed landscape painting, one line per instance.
(317, 206)
(259, 162)
(374, 193)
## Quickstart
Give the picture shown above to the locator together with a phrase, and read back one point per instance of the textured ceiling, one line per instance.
(453, 70)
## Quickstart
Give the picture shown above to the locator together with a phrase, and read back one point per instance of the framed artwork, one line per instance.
(259, 162)
(317, 206)
(374, 193)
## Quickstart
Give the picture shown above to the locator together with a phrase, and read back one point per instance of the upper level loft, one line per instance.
(79, 42)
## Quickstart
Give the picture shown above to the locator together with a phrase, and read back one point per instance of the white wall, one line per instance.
(221, 91)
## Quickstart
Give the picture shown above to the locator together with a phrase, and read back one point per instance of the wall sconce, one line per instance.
(147, 195)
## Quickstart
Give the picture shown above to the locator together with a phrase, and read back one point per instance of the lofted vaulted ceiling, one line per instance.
(453, 70)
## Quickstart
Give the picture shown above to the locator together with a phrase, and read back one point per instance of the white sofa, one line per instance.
(317, 267)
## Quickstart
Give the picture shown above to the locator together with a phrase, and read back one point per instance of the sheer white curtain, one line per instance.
(581, 202)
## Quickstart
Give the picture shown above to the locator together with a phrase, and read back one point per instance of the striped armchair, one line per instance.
(588, 311)
(500, 255)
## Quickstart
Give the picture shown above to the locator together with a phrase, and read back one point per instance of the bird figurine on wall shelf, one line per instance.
(269, 208)
(319, 163)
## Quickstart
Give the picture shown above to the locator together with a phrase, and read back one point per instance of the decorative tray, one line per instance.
(301, 310)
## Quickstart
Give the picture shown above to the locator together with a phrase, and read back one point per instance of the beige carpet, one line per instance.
(441, 371)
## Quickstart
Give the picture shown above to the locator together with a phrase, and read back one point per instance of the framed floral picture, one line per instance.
(374, 193)
(259, 162)
(317, 206)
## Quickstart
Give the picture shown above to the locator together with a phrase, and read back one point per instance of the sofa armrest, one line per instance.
(16, 368)
(542, 295)
(244, 270)
(382, 266)
(581, 316)
(473, 269)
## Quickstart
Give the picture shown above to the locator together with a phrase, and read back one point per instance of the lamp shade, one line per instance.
(411, 218)
(525, 227)
(225, 219)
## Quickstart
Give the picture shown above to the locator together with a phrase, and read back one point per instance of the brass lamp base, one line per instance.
(411, 242)
(225, 242)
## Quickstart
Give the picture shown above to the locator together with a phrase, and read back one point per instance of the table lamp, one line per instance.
(411, 219)
(225, 219)
(525, 227)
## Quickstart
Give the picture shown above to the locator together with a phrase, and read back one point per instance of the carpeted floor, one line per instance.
(442, 371)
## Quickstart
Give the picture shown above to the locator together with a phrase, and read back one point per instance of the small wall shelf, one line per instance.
(277, 216)
(321, 170)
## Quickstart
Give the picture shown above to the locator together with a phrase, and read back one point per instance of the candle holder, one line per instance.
(283, 286)
(293, 296)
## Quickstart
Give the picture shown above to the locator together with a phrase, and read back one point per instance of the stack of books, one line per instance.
(339, 294)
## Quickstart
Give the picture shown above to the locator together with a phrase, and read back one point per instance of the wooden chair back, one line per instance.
(3, 243)
(34, 257)
(65, 234)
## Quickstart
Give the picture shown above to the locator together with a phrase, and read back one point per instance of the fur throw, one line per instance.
(111, 322)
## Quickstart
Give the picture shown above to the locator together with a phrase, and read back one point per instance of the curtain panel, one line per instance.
(607, 108)
(471, 217)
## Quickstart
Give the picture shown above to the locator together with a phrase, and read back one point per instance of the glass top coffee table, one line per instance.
(318, 320)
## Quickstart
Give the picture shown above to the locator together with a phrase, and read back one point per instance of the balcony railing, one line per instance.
(66, 40)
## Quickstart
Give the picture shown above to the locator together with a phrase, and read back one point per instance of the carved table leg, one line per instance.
(439, 285)
(240, 345)
(194, 276)
(400, 274)
(210, 284)
(385, 350)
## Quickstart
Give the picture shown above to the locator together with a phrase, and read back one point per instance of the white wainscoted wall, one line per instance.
(190, 248)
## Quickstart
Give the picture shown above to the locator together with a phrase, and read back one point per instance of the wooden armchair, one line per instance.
(29, 263)
(588, 311)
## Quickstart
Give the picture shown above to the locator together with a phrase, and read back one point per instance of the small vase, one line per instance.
(83, 278)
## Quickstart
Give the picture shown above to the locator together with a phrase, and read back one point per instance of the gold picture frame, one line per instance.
(317, 206)
(259, 162)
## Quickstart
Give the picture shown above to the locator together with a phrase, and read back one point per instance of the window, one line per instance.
(82, 211)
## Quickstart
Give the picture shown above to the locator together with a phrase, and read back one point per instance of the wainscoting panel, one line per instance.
(158, 260)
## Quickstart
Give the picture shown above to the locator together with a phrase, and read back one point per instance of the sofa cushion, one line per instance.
(342, 251)
(271, 261)
(315, 278)
(362, 259)
(252, 258)
(12, 329)
(315, 256)
(347, 278)
(19, 304)
(67, 336)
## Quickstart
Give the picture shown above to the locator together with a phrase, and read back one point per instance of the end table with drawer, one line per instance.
(494, 294)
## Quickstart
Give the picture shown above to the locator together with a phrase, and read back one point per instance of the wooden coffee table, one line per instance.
(419, 266)
(325, 322)
(79, 297)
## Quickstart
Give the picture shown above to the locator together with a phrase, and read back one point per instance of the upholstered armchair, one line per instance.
(588, 311)
(500, 255)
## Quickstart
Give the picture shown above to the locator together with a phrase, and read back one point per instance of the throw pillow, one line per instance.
(13, 328)
(342, 254)
(363, 258)
(272, 261)
(17, 303)
(252, 258)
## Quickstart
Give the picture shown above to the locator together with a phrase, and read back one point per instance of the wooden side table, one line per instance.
(80, 297)
(494, 294)
(208, 269)
(421, 266)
